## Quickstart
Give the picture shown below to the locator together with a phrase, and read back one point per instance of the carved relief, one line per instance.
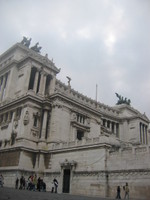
(88, 121)
(26, 118)
(74, 116)
(56, 104)
(34, 133)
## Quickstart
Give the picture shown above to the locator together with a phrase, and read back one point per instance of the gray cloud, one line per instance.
(95, 42)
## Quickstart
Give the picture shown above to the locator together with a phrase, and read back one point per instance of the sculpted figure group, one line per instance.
(26, 42)
(122, 100)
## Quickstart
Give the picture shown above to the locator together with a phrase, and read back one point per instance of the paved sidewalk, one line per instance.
(13, 194)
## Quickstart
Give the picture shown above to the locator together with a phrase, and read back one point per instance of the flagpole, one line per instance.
(96, 93)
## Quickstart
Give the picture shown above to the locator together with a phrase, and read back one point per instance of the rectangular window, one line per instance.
(80, 118)
(80, 134)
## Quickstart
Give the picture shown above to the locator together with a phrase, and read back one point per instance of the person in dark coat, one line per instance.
(55, 184)
(17, 182)
(118, 193)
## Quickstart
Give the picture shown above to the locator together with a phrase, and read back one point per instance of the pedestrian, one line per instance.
(39, 181)
(17, 181)
(1, 180)
(126, 189)
(34, 182)
(118, 193)
(22, 184)
(55, 184)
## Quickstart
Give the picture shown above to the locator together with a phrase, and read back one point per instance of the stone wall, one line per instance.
(130, 165)
(9, 158)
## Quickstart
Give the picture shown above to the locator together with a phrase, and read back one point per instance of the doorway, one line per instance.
(66, 181)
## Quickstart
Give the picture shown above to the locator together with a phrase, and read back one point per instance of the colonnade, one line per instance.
(143, 133)
(113, 127)
(40, 81)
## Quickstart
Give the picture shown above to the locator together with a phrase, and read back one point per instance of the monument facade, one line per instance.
(49, 129)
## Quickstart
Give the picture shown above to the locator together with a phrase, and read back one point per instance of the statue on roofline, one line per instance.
(25, 41)
(36, 48)
(122, 100)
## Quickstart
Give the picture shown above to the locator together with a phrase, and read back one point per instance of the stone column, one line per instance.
(8, 84)
(36, 82)
(2, 87)
(42, 84)
(115, 128)
(143, 130)
(44, 124)
(111, 124)
(140, 133)
(146, 141)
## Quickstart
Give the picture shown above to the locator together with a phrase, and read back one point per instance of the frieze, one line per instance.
(129, 173)
(90, 173)
(56, 104)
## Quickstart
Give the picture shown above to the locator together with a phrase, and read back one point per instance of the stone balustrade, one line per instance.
(61, 87)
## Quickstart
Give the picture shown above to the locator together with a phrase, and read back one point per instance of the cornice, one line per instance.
(32, 55)
(73, 102)
(21, 100)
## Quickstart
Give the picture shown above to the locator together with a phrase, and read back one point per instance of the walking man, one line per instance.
(55, 184)
(126, 189)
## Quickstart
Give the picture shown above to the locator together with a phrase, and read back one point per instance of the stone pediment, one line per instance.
(127, 111)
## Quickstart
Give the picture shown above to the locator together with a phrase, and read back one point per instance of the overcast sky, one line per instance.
(103, 42)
